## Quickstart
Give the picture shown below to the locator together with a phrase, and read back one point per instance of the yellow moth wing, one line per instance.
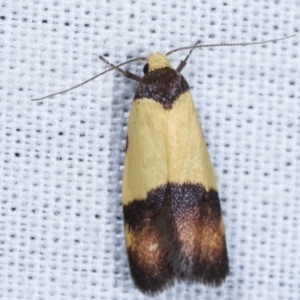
(188, 158)
(164, 145)
(145, 166)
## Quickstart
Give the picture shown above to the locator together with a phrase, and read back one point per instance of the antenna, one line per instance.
(182, 64)
(98, 75)
(228, 45)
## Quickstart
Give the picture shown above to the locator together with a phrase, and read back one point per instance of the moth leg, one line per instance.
(182, 64)
(124, 72)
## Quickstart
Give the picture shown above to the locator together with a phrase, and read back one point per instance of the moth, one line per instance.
(172, 215)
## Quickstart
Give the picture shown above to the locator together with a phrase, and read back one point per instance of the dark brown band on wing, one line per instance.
(162, 85)
(195, 242)
(150, 270)
(178, 233)
(148, 265)
(139, 210)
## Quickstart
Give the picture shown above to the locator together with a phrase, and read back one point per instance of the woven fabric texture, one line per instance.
(61, 159)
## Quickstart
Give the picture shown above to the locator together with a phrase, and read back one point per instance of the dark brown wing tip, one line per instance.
(199, 270)
(195, 244)
(150, 280)
(212, 274)
(187, 234)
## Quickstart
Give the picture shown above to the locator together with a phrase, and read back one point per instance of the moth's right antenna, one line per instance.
(223, 45)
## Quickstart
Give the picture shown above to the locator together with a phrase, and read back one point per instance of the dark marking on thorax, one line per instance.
(162, 85)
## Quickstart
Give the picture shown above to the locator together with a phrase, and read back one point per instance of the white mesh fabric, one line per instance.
(61, 159)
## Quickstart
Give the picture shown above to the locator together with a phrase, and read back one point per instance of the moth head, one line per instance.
(156, 61)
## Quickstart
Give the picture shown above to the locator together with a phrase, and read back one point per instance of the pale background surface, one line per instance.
(61, 160)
